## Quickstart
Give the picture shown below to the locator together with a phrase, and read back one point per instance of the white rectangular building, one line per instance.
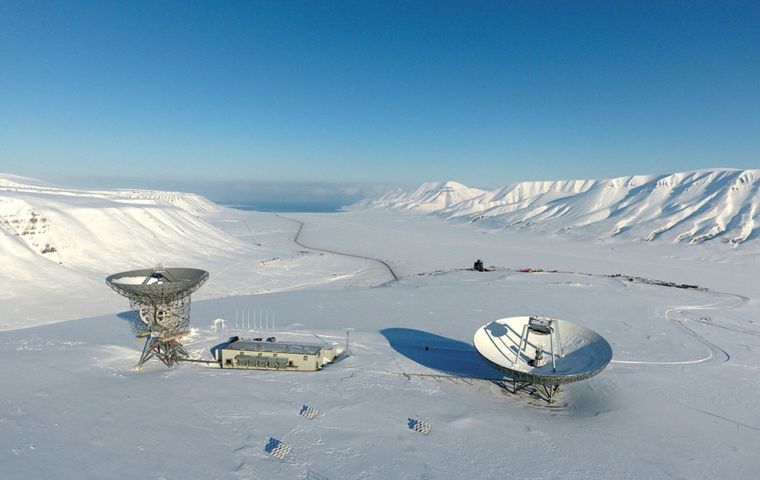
(265, 355)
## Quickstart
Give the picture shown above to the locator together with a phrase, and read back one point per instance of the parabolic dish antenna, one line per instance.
(161, 297)
(540, 351)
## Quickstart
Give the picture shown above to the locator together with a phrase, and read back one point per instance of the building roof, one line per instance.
(275, 347)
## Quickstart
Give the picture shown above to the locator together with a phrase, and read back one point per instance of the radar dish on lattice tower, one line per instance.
(161, 298)
(541, 351)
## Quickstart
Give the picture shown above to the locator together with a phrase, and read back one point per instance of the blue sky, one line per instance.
(356, 93)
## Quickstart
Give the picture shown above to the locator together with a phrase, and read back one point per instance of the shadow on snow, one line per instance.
(443, 354)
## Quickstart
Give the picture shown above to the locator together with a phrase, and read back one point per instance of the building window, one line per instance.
(274, 354)
(305, 357)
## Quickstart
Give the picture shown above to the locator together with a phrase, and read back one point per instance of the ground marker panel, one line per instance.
(308, 412)
(277, 449)
(418, 426)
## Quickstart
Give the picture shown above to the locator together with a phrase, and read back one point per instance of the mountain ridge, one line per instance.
(683, 207)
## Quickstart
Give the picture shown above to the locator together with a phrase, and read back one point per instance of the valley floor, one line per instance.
(678, 400)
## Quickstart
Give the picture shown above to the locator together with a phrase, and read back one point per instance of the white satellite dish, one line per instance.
(540, 351)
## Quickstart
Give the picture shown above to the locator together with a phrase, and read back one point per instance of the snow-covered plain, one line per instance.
(678, 400)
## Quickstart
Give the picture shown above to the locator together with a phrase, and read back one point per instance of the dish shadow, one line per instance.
(131, 317)
(439, 353)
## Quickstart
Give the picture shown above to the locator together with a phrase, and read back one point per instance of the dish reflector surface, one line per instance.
(157, 286)
(583, 352)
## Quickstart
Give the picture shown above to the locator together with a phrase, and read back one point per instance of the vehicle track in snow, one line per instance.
(297, 241)
(715, 353)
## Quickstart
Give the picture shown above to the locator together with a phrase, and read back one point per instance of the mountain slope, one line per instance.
(428, 197)
(689, 207)
(83, 229)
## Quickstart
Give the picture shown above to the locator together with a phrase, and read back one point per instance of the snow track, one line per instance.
(297, 241)
(714, 353)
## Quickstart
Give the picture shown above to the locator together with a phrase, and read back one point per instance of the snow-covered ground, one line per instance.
(678, 400)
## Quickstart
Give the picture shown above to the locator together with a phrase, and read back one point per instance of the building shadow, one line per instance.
(445, 355)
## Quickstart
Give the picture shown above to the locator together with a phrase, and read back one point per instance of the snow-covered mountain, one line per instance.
(690, 207)
(428, 197)
(82, 229)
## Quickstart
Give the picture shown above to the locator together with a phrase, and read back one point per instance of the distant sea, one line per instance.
(287, 207)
